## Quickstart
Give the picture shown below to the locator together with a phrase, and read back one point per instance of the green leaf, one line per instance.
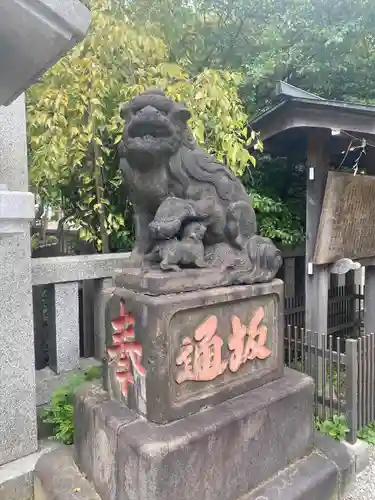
(334, 427)
(252, 160)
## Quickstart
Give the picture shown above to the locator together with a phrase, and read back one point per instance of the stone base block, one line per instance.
(220, 453)
(315, 477)
(337, 453)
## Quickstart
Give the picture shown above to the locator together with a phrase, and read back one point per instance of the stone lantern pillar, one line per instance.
(34, 36)
(18, 435)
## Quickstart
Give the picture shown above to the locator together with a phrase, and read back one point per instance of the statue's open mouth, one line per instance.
(151, 130)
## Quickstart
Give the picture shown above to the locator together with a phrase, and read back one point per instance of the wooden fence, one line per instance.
(344, 377)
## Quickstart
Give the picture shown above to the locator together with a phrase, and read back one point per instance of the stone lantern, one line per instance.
(34, 35)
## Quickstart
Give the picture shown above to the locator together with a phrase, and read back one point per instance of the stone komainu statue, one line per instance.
(174, 184)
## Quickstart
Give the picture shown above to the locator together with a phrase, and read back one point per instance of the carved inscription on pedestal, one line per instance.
(126, 354)
(223, 346)
(201, 357)
(346, 227)
(171, 356)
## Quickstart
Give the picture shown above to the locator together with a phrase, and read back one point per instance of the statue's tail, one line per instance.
(265, 258)
(264, 255)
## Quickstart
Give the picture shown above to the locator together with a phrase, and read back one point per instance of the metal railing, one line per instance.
(345, 311)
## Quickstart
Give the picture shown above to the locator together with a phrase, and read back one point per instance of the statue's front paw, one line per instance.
(137, 257)
(200, 262)
(165, 266)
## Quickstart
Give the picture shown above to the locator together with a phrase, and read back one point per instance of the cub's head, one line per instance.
(154, 124)
(194, 231)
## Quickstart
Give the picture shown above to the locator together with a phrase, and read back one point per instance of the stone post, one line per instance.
(317, 278)
(103, 293)
(18, 428)
(64, 337)
(369, 318)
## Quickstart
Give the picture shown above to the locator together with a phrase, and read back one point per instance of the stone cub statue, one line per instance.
(187, 251)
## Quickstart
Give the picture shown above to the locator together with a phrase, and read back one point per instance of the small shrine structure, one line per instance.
(336, 142)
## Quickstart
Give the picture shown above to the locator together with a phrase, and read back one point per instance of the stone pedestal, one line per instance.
(198, 404)
(192, 349)
(220, 453)
(257, 446)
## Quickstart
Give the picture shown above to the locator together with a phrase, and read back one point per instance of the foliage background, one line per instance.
(223, 58)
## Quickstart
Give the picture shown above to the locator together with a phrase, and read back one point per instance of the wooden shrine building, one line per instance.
(336, 143)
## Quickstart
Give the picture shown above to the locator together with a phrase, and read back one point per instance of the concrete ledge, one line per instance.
(16, 478)
(16, 205)
(58, 478)
(312, 478)
(76, 268)
(359, 451)
(338, 453)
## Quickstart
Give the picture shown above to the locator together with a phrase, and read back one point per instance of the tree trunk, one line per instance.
(99, 192)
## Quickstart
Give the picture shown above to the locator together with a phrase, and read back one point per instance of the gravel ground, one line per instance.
(365, 487)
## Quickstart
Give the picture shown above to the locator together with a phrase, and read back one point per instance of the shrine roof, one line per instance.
(297, 111)
(34, 36)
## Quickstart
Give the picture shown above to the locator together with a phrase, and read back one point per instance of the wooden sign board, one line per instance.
(347, 220)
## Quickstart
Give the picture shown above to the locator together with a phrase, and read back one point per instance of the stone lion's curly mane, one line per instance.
(191, 162)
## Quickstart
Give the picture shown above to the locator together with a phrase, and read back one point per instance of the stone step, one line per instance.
(57, 477)
(16, 478)
(326, 474)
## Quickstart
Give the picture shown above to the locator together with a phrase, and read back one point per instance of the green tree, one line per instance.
(74, 123)
(277, 189)
(323, 47)
(209, 53)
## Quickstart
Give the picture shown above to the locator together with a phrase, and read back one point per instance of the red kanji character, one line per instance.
(126, 352)
(257, 338)
(124, 320)
(185, 359)
(253, 347)
(202, 361)
(236, 344)
(134, 351)
(125, 378)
